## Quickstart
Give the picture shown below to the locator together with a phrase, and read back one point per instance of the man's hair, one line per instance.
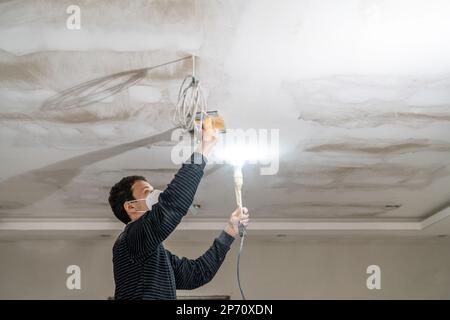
(120, 193)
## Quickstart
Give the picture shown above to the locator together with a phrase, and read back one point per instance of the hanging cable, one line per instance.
(191, 103)
(238, 262)
(99, 89)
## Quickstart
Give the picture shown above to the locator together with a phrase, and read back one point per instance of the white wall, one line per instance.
(270, 270)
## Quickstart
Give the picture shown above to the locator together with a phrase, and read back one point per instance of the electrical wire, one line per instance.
(238, 262)
(191, 101)
(99, 89)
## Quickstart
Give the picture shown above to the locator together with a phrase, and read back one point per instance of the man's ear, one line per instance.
(128, 206)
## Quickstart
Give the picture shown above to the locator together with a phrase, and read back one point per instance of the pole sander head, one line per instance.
(216, 120)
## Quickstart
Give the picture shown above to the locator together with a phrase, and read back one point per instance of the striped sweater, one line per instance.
(143, 268)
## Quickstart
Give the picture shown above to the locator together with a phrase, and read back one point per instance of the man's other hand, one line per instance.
(237, 216)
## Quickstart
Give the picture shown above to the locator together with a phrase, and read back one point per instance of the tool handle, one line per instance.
(238, 181)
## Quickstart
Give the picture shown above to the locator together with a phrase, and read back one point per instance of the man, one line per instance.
(143, 269)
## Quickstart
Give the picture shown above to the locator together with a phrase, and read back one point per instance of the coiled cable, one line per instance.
(191, 101)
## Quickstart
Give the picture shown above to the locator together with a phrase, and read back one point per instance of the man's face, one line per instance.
(140, 190)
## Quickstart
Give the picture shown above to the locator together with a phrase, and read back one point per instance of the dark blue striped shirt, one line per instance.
(143, 269)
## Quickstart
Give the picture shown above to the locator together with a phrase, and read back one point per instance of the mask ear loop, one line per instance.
(136, 200)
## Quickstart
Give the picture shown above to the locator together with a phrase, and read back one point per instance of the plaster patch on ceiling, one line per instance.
(362, 178)
(331, 209)
(65, 119)
(29, 187)
(354, 118)
(378, 147)
(143, 93)
(65, 73)
(60, 70)
(370, 101)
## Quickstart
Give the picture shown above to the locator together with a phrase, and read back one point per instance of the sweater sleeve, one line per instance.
(146, 233)
(191, 274)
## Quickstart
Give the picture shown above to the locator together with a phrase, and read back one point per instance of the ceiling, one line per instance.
(359, 91)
